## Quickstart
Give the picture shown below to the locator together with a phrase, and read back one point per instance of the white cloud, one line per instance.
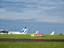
(51, 19)
(40, 10)
(2, 10)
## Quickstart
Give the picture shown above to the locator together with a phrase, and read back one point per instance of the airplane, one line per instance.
(53, 32)
(2, 31)
(15, 32)
(37, 34)
(24, 31)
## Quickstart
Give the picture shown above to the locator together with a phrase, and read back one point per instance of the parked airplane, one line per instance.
(53, 32)
(15, 32)
(37, 34)
(2, 31)
(24, 31)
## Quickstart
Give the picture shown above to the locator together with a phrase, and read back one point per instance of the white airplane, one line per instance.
(36, 32)
(53, 32)
(24, 31)
(14, 32)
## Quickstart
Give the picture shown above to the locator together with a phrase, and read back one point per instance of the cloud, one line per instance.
(40, 10)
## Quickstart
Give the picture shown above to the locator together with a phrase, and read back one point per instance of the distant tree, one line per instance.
(61, 34)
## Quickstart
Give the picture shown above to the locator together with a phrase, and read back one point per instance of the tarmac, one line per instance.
(31, 40)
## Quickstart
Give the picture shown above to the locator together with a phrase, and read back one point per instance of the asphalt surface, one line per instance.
(31, 40)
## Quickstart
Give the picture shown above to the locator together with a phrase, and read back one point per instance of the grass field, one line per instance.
(30, 37)
(31, 44)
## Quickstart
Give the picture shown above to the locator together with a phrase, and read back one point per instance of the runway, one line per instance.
(31, 40)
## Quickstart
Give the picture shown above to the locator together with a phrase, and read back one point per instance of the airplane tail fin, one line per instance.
(36, 32)
(52, 33)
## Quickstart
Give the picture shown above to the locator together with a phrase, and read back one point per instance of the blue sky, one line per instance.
(42, 15)
(51, 11)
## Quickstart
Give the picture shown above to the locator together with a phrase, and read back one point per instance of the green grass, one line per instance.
(31, 44)
(30, 37)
